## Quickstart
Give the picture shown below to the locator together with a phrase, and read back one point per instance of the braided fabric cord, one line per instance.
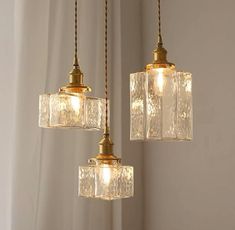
(106, 67)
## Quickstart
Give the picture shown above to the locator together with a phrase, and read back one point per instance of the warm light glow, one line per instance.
(107, 182)
(138, 105)
(161, 105)
(160, 79)
(106, 173)
(62, 106)
(188, 87)
(75, 102)
(71, 111)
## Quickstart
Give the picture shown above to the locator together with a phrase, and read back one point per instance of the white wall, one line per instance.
(191, 186)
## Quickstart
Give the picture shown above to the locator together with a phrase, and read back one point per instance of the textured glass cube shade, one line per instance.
(107, 182)
(161, 105)
(63, 110)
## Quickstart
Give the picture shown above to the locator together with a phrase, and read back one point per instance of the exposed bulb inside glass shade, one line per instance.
(161, 99)
(106, 181)
(76, 104)
(160, 79)
(67, 110)
(106, 174)
(161, 105)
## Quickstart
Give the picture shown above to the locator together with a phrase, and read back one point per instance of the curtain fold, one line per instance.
(31, 44)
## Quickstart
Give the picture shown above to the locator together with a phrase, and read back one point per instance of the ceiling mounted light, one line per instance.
(70, 107)
(161, 99)
(105, 177)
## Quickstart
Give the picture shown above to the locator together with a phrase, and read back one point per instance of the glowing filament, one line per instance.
(75, 102)
(160, 80)
(106, 174)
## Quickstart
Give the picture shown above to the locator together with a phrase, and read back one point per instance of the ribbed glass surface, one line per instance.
(71, 111)
(184, 106)
(137, 104)
(95, 113)
(107, 182)
(161, 105)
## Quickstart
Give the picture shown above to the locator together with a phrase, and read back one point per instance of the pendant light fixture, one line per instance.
(105, 177)
(70, 107)
(161, 99)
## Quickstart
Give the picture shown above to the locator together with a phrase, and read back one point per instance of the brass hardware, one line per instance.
(160, 53)
(106, 145)
(160, 59)
(103, 159)
(107, 159)
(106, 155)
(75, 84)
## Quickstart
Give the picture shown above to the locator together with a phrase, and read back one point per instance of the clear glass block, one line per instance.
(184, 106)
(87, 181)
(95, 113)
(64, 110)
(107, 182)
(44, 110)
(67, 110)
(137, 105)
(161, 104)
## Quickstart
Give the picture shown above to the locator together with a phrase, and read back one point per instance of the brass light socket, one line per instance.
(160, 58)
(76, 76)
(106, 145)
(160, 55)
(75, 81)
(106, 155)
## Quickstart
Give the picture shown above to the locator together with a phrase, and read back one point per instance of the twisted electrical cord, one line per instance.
(76, 35)
(159, 23)
(106, 67)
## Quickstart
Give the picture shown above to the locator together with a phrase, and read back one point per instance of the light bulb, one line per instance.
(160, 80)
(107, 181)
(75, 102)
(106, 173)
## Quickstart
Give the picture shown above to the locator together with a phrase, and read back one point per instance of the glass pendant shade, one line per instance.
(70, 107)
(161, 98)
(106, 181)
(71, 110)
(105, 177)
(161, 104)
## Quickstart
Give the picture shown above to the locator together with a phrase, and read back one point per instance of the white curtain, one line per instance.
(39, 171)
